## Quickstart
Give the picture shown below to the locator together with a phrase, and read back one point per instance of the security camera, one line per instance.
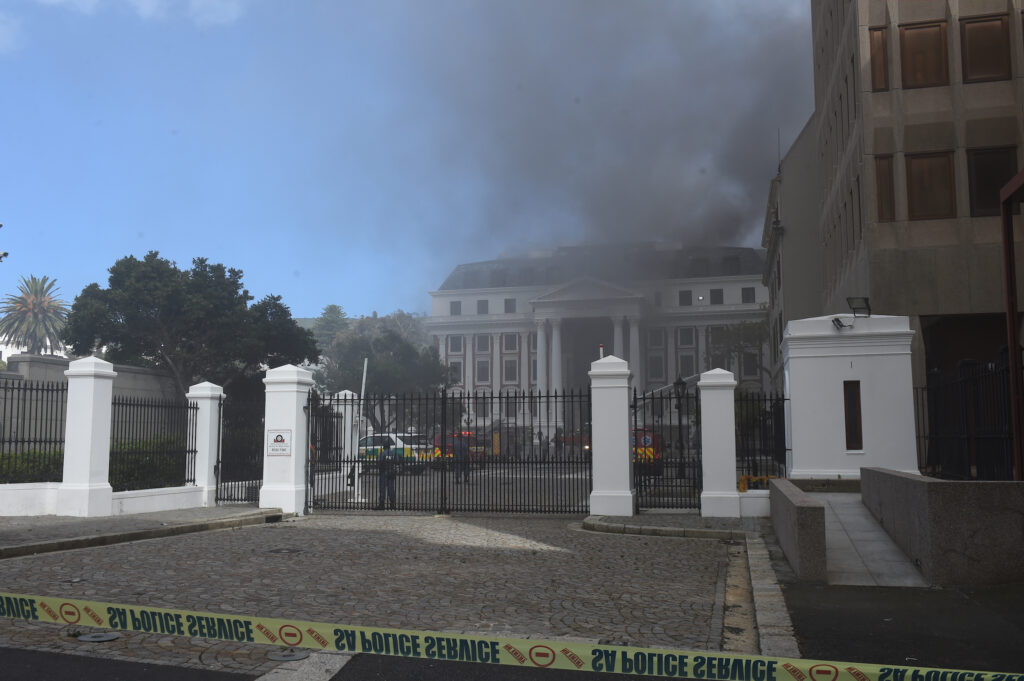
(838, 323)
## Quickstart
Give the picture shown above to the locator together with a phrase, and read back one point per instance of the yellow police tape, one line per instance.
(464, 648)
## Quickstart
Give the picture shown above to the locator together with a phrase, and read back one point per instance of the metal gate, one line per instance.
(666, 448)
(511, 453)
(760, 439)
(240, 457)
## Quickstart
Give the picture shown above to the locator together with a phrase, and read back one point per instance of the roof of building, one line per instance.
(610, 262)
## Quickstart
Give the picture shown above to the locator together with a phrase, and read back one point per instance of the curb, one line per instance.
(258, 518)
(774, 628)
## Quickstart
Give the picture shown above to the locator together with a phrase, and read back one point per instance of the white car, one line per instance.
(414, 451)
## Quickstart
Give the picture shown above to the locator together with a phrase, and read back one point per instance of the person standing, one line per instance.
(387, 469)
(461, 458)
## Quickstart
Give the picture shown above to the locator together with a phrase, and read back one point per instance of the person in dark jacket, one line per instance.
(387, 469)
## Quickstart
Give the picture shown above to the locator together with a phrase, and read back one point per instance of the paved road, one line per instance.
(527, 576)
(42, 666)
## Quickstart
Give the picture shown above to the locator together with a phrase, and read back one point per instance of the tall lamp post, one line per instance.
(1012, 193)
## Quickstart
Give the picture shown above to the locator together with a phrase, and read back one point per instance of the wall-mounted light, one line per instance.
(860, 307)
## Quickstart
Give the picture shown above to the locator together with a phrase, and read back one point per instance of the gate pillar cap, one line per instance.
(289, 373)
(91, 366)
(205, 389)
(717, 378)
(609, 366)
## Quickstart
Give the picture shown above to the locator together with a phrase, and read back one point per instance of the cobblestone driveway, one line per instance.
(524, 576)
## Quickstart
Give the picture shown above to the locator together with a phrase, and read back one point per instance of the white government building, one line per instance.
(536, 322)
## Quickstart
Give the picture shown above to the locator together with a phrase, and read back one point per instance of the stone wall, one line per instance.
(799, 523)
(132, 381)
(956, 532)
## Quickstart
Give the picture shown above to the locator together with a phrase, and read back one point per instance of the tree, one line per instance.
(729, 344)
(328, 325)
(197, 324)
(35, 317)
(396, 365)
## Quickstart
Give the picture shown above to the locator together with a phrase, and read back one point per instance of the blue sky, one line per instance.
(352, 152)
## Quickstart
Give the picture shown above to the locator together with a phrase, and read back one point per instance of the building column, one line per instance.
(672, 352)
(524, 361)
(556, 355)
(542, 357)
(469, 347)
(496, 377)
(618, 342)
(700, 349)
(634, 351)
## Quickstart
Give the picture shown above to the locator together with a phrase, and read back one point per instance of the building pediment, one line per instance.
(587, 290)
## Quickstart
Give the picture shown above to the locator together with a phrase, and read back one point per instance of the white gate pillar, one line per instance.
(285, 437)
(720, 498)
(207, 397)
(85, 489)
(613, 492)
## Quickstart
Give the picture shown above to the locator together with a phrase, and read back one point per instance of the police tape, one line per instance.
(714, 666)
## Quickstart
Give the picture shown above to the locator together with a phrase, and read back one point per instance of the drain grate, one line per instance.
(289, 655)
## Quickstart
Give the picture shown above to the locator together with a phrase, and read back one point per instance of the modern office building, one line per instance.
(918, 123)
(536, 322)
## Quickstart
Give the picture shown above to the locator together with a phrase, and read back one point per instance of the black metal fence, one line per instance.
(512, 453)
(760, 439)
(666, 448)
(963, 424)
(240, 457)
(33, 417)
(152, 443)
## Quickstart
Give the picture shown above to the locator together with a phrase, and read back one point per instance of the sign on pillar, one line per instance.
(285, 437)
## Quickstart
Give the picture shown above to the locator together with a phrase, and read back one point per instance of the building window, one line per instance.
(483, 371)
(657, 299)
(511, 403)
(851, 408)
(717, 296)
(884, 187)
(483, 343)
(482, 404)
(655, 368)
(455, 345)
(455, 373)
(930, 190)
(684, 336)
(747, 294)
(455, 308)
(685, 298)
(510, 367)
(533, 341)
(751, 365)
(923, 55)
(510, 342)
(481, 307)
(879, 59)
(687, 365)
(510, 305)
(985, 48)
(533, 370)
(988, 170)
(656, 338)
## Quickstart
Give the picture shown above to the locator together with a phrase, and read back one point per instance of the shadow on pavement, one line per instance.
(383, 668)
(977, 628)
(34, 664)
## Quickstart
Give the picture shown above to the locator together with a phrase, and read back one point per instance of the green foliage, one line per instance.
(397, 364)
(34, 466)
(148, 464)
(197, 324)
(35, 317)
(331, 322)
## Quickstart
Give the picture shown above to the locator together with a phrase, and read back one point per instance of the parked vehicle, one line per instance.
(414, 451)
(444, 453)
(646, 446)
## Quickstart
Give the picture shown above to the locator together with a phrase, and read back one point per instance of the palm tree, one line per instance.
(34, 318)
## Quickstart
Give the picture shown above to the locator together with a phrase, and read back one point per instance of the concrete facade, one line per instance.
(913, 101)
(536, 322)
(134, 381)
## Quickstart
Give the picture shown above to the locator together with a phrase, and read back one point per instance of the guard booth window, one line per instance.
(851, 405)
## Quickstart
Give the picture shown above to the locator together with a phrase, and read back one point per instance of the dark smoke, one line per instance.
(611, 120)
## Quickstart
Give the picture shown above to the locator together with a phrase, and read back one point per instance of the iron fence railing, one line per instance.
(514, 452)
(152, 443)
(33, 417)
(760, 438)
(666, 448)
(240, 458)
(963, 424)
